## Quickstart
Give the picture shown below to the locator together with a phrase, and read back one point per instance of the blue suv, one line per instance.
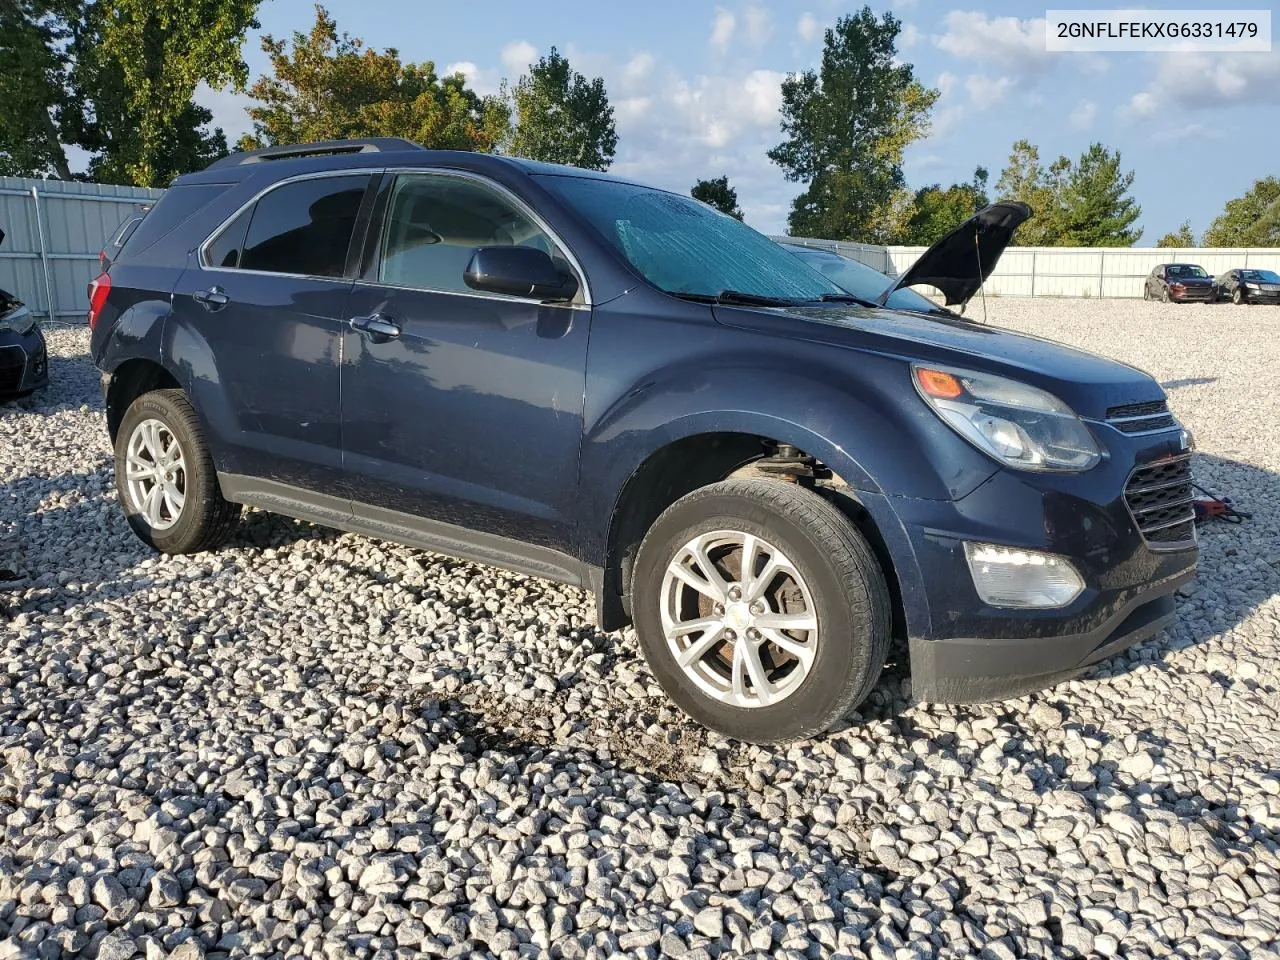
(580, 378)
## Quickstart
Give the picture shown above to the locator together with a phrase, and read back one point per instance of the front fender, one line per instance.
(869, 428)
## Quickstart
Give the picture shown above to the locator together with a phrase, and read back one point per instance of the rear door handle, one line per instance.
(378, 328)
(212, 299)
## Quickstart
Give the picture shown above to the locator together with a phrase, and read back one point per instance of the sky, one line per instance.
(696, 89)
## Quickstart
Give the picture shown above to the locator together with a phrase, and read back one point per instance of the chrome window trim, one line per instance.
(483, 181)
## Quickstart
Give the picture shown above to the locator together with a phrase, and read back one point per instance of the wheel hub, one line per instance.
(739, 618)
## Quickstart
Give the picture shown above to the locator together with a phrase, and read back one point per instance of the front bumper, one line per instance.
(1194, 295)
(24, 362)
(963, 650)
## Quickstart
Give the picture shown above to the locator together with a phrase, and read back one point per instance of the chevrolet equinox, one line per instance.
(769, 474)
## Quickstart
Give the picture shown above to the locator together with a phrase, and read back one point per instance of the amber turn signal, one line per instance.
(936, 383)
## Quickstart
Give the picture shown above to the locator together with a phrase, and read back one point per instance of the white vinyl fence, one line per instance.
(1066, 271)
(53, 232)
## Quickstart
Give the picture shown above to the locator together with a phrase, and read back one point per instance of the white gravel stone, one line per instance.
(323, 745)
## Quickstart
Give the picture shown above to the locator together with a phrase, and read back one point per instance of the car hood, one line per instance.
(960, 262)
(1089, 383)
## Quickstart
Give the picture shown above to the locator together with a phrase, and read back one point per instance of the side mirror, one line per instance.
(519, 272)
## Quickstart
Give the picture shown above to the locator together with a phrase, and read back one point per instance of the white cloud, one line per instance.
(722, 27)
(987, 91)
(517, 55)
(946, 82)
(909, 36)
(1083, 115)
(483, 82)
(808, 27)
(1208, 81)
(758, 23)
(1007, 41)
(639, 67)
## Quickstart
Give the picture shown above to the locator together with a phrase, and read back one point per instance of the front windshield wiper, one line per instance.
(848, 298)
(735, 297)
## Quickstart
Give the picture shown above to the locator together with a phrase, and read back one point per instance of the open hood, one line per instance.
(960, 262)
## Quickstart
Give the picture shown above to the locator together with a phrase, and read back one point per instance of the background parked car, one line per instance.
(861, 280)
(118, 237)
(24, 365)
(1249, 286)
(1181, 283)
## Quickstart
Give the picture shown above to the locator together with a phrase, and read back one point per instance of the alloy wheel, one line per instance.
(739, 618)
(156, 474)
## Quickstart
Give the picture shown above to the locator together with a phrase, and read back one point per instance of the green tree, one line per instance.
(33, 34)
(328, 86)
(562, 117)
(1081, 204)
(1252, 220)
(846, 127)
(933, 212)
(717, 193)
(1182, 237)
(1097, 208)
(136, 66)
(1025, 178)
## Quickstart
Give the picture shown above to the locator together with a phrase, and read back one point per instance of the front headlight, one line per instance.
(1253, 286)
(19, 320)
(1016, 424)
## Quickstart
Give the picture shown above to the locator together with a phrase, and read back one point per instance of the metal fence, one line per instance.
(54, 230)
(1067, 271)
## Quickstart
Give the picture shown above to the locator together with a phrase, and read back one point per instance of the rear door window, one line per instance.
(301, 228)
(224, 249)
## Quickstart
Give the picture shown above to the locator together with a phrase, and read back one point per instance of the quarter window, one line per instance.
(224, 250)
(435, 223)
(302, 228)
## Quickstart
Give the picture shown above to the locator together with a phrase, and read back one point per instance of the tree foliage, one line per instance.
(562, 117)
(1182, 237)
(717, 193)
(846, 126)
(930, 213)
(1082, 204)
(33, 34)
(325, 85)
(116, 78)
(1252, 220)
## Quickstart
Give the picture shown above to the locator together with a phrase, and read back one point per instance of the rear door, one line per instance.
(470, 414)
(267, 298)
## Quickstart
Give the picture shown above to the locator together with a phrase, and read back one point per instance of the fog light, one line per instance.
(1009, 577)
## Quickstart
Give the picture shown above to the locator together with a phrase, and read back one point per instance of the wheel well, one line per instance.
(684, 466)
(129, 381)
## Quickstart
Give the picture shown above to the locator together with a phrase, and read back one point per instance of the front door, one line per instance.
(268, 299)
(459, 407)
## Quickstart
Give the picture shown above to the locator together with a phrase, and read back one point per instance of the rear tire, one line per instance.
(165, 477)
(783, 655)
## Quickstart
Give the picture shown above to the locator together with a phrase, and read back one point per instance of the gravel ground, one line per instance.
(322, 745)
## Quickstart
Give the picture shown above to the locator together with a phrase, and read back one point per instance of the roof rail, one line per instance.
(323, 148)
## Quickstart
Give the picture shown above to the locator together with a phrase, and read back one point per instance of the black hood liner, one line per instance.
(952, 264)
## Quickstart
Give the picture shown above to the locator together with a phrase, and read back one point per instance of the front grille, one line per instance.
(1141, 417)
(1159, 499)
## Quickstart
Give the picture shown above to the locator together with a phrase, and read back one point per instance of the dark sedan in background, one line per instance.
(1181, 283)
(1242, 286)
(24, 365)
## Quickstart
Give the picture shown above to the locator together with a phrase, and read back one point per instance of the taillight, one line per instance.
(99, 287)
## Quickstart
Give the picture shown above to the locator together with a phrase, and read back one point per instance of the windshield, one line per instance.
(1260, 276)
(861, 280)
(684, 247)
(1186, 270)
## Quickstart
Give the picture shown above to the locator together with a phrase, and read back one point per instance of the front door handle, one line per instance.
(212, 299)
(378, 328)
